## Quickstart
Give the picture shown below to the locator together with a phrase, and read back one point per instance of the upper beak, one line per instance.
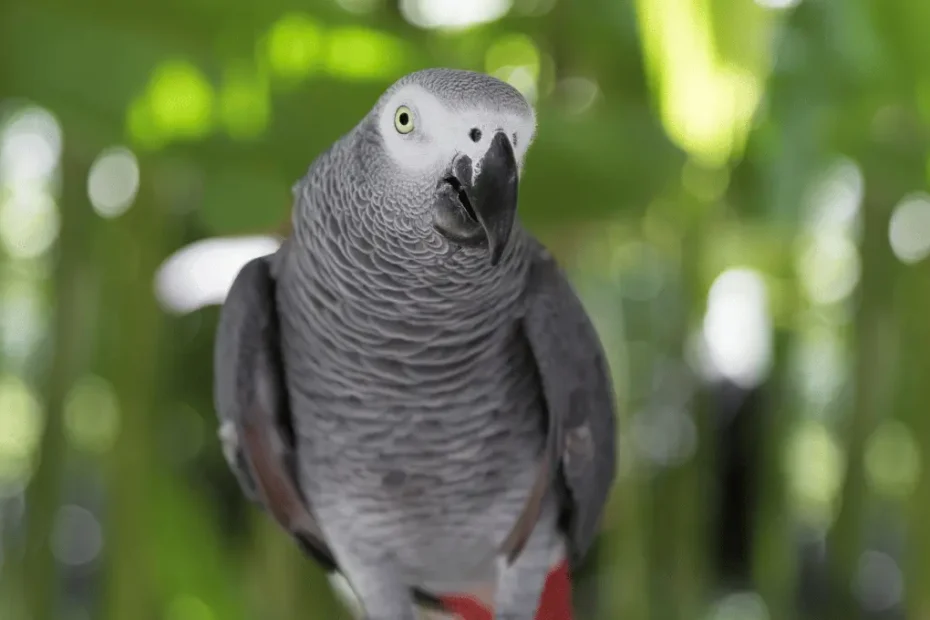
(481, 206)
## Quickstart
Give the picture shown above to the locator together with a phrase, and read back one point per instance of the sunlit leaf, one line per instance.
(181, 100)
(361, 53)
(705, 99)
(294, 46)
(244, 102)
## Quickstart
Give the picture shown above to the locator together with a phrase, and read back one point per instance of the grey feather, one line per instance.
(250, 397)
(579, 397)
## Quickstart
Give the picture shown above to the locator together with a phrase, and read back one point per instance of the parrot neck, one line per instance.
(373, 249)
(387, 266)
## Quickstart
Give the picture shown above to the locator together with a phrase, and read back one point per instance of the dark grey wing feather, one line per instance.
(251, 401)
(579, 397)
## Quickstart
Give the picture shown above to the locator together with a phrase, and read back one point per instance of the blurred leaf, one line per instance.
(705, 99)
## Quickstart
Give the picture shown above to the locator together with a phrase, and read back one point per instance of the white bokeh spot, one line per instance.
(30, 147)
(113, 181)
(879, 582)
(453, 14)
(202, 273)
(778, 4)
(29, 221)
(740, 606)
(737, 334)
(909, 228)
(77, 537)
(829, 267)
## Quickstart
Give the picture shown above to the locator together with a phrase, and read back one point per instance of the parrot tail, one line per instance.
(554, 604)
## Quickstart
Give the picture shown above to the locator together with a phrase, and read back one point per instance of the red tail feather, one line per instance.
(555, 603)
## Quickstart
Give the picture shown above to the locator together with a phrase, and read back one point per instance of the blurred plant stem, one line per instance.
(286, 584)
(913, 303)
(627, 550)
(774, 571)
(624, 553)
(874, 339)
(910, 302)
(71, 320)
(693, 494)
(130, 249)
(270, 567)
(681, 494)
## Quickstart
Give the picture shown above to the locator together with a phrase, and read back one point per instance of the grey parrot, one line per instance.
(409, 385)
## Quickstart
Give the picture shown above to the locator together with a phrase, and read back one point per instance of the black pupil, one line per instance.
(403, 118)
(475, 134)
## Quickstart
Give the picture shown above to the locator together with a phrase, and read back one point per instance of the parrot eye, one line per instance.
(403, 120)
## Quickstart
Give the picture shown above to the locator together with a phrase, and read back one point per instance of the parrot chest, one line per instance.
(436, 482)
(432, 473)
(422, 445)
(419, 421)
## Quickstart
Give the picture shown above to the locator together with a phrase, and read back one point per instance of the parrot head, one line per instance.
(453, 145)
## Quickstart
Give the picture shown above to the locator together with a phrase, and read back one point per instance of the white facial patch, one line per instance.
(439, 134)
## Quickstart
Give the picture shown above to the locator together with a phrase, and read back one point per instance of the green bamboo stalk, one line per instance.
(694, 572)
(873, 356)
(774, 571)
(44, 493)
(627, 539)
(626, 555)
(680, 561)
(269, 571)
(285, 584)
(913, 297)
(130, 250)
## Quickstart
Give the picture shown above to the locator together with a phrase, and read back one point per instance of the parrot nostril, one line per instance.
(475, 134)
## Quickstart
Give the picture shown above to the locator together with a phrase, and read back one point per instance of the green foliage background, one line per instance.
(677, 139)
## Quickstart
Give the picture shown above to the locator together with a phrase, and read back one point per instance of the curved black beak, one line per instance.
(480, 208)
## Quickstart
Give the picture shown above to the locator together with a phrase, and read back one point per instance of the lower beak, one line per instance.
(479, 203)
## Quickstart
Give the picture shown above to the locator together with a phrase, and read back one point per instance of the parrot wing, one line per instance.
(256, 427)
(251, 401)
(579, 397)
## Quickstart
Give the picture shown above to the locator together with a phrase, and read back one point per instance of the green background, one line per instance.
(726, 180)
